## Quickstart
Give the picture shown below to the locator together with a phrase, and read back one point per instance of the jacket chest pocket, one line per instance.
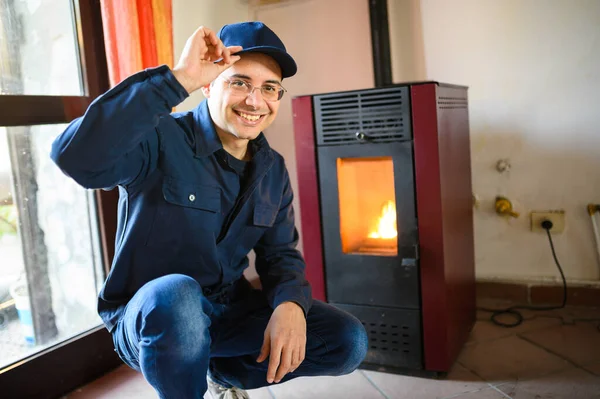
(193, 196)
(263, 218)
(189, 217)
(264, 215)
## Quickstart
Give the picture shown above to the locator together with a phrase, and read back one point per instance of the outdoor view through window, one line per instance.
(50, 258)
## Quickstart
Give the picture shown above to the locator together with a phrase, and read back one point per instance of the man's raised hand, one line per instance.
(196, 67)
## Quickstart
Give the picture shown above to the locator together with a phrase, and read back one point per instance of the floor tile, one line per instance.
(493, 303)
(125, 383)
(261, 393)
(527, 314)
(122, 383)
(489, 393)
(593, 368)
(482, 316)
(508, 359)
(577, 312)
(570, 384)
(487, 331)
(459, 380)
(579, 343)
(521, 363)
(355, 386)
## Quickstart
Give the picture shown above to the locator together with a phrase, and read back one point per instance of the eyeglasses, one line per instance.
(270, 92)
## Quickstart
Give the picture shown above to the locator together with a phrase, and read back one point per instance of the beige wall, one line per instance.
(189, 15)
(533, 68)
(406, 40)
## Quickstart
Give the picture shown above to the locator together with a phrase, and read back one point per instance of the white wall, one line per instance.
(189, 15)
(533, 68)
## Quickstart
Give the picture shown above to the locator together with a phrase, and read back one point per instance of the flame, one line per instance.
(386, 225)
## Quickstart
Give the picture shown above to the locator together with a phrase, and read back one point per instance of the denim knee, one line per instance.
(176, 318)
(353, 344)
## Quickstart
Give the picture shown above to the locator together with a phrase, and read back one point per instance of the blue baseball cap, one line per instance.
(256, 37)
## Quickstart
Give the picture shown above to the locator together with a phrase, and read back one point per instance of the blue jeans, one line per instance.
(176, 334)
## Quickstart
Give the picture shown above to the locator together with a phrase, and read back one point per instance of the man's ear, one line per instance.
(206, 90)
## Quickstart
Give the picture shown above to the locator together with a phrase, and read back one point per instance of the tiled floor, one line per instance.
(552, 355)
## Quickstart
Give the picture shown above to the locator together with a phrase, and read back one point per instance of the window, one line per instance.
(49, 246)
(53, 233)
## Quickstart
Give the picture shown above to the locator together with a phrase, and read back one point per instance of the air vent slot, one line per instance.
(394, 335)
(385, 337)
(448, 102)
(373, 116)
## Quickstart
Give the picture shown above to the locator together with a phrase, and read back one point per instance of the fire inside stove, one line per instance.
(368, 221)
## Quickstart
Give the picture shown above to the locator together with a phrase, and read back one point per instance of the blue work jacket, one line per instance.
(173, 191)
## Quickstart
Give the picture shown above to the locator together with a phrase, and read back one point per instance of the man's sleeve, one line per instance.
(278, 263)
(115, 142)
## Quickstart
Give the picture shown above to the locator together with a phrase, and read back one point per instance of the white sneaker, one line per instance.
(218, 391)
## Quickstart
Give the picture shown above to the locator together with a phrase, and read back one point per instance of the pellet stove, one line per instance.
(387, 226)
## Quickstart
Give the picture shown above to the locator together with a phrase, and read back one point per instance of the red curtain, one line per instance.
(138, 34)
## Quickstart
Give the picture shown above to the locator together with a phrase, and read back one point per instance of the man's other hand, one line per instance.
(284, 342)
(196, 67)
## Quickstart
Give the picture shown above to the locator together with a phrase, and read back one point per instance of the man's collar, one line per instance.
(207, 139)
(259, 144)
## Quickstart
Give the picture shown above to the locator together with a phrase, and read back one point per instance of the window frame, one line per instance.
(67, 365)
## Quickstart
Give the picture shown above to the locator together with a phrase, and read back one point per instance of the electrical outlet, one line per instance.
(557, 217)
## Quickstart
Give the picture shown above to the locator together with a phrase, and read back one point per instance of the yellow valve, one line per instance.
(505, 207)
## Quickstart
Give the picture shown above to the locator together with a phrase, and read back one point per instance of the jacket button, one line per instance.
(192, 198)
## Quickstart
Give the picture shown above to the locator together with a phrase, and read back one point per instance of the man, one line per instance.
(198, 191)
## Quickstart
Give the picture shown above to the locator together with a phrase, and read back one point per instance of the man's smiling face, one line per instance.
(239, 114)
